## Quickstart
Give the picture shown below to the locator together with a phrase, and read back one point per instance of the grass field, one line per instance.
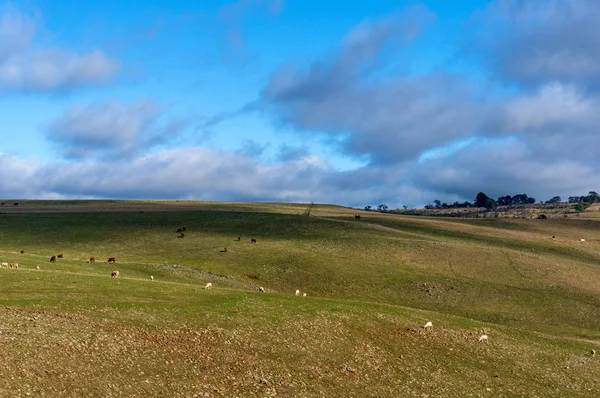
(69, 329)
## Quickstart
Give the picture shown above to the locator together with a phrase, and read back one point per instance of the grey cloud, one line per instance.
(25, 67)
(537, 41)
(389, 119)
(110, 126)
(198, 173)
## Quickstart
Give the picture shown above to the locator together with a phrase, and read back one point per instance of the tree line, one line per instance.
(482, 200)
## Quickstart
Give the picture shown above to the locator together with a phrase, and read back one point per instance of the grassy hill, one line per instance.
(71, 330)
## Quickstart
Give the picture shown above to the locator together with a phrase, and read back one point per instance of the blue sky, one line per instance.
(355, 103)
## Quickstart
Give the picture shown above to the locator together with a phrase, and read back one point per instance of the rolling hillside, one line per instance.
(71, 330)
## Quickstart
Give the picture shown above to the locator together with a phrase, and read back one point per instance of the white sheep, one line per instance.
(14, 265)
(303, 294)
(37, 267)
(208, 286)
(4, 264)
(428, 325)
(151, 278)
(593, 352)
(115, 274)
(483, 338)
(298, 292)
(261, 289)
(582, 240)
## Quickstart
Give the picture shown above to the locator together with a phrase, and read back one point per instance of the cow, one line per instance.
(239, 238)
(53, 259)
(3, 203)
(182, 235)
(92, 260)
(179, 230)
(357, 217)
(16, 204)
(253, 240)
(60, 256)
(184, 229)
(224, 250)
(22, 251)
(111, 260)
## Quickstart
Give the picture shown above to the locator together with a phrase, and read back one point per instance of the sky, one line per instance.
(346, 102)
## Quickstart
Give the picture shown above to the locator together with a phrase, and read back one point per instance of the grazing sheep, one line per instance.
(111, 260)
(483, 338)
(303, 294)
(14, 265)
(114, 274)
(37, 267)
(582, 240)
(298, 292)
(261, 289)
(593, 352)
(252, 240)
(208, 286)
(151, 278)
(22, 251)
(53, 259)
(60, 256)
(428, 325)
(92, 260)
(4, 265)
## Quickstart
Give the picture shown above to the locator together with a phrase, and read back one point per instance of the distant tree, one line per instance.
(368, 208)
(555, 199)
(438, 204)
(576, 199)
(405, 207)
(520, 199)
(430, 207)
(581, 206)
(482, 200)
(382, 207)
(592, 197)
(467, 204)
(505, 200)
(530, 200)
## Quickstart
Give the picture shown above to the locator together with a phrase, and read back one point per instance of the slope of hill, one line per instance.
(69, 329)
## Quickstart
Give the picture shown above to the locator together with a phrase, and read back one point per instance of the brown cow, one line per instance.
(16, 204)
(357, 217)
(181, 235)
(22, 251)
(111, 260)
(60, 256)
(184, 229)
(92, 260)
(179, 230)
(239, 238)
(53, 259)
(253, 240)
(224, 250)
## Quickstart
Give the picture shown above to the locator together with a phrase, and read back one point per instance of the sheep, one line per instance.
(582, 240)
(4, 264)
(261, 289)
(593, 352)
(298, 293)
(14, 265)
(60, 256)
(151, 278)
(53, 259)
(357, 217)
(483, 338)
(114, 274)
(37, 267)
(208, 286)
(428, 325)
(303, 294)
